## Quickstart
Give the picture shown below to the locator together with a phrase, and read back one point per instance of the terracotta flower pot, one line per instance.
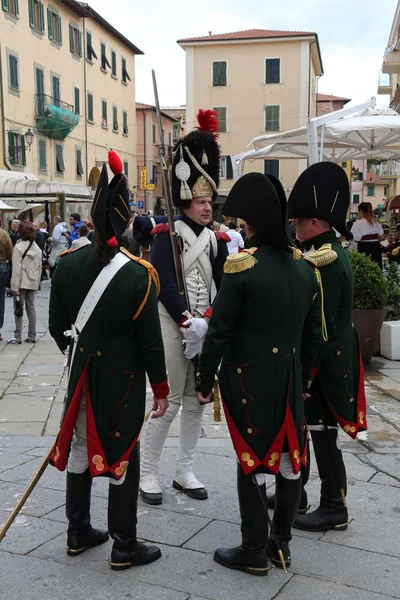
(368, 324)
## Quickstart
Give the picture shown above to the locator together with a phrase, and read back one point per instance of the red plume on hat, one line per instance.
(208, 121)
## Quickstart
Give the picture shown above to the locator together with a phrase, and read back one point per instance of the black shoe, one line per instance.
(150, 498)
(253, 563)
(78, 542)
(142, 555)
(272, 552)
(196, 494)
(30, 341)
(324, 519)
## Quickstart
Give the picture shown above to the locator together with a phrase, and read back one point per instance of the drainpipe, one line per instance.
(309, 78)
(85, 102)
(2, 114)
(144, 156)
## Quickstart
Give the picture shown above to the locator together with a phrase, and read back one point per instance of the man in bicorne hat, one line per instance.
(111, 326)
(195, 178)
(266, 328)
(319, 202)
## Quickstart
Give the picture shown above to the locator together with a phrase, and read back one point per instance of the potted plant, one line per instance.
(369, 302)
(390, 332)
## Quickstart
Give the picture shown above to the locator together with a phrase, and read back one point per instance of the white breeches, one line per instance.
(285, 469)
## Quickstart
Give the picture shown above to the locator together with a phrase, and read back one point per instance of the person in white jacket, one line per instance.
(237, 243)
(25, 279)
(58, 242)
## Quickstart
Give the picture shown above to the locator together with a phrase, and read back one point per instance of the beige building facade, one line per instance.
(67, 76)
(259, 81)
(150, 194)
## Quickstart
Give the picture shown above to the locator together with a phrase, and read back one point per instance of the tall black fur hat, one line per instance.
(196, 162)
(110, 209)
(322, 192)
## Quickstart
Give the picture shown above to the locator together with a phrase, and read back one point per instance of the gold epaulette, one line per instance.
(152, 277)
(297, 254)
(395, 251)
(65, 252)
(324, 256)
(236, 263)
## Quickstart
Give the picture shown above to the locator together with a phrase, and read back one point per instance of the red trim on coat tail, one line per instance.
(242, 449)
(97, 460)
(361, 400)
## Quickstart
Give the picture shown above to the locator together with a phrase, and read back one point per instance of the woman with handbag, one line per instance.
(6, 251)
(25, 279)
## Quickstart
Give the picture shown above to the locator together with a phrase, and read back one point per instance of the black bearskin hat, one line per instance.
(196, 162)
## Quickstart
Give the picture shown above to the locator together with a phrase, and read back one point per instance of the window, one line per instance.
(115, 118)
(170, 138)
(54, 26)
(90, 53)
(273, 70)
(344, 165)
(113, 63)
(11, 6)
(126, 168)
(219, 73)
(42, 155)
(125, 74)
(90, 107)
(221, 116)
(104, 59)
(356, 198)
(59, 159)
(75, 40)
(154, 178)
(55, 84)
(16, 148)
(13, 71)
(36, 15)
(271, 167)
(40, 102)
(385, 190)
(154, 135)
(104, 114)
(371, 190)
(79, 167)
(360, 176)
(176, 131)
(76, 101)
(125, 122)
(272, 118)
(225, 170)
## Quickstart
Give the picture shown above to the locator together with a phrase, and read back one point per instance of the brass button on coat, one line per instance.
(275, 350)
(81, 349)
(117, 434)
(98, 353)
(249, 430)
(244, 401)
(239, 370)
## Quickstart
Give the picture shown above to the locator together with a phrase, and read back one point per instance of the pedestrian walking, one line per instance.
(114, 338)
(319, 202)
(237, 242)
(14, 231)
(75, 222)
(203, 256)
(58, 242)
(6, 252)
(25, 280)
(266, 329)
(367, 231)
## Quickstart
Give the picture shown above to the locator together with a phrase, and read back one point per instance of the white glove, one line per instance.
(195, 329)
(191, 348)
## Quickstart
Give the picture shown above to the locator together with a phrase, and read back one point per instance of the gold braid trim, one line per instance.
(143, 303)
(217, 403)
(324, 256)
(236, 263)
(152, 277)
(297, 254)
(321, 289)
(395, 251)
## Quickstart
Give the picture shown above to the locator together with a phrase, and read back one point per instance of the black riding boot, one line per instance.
(122, 509)
(81, 534)
(303, 504)
(332, 512)
(287, 499)
(251, 555)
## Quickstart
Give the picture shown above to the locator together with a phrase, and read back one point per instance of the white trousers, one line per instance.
(285, 469)
(78, 461)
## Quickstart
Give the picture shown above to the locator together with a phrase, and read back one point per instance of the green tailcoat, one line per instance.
(119, 344)
(266, 327)
(337, 392)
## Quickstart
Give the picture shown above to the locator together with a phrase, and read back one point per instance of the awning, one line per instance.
(35, 208)
(5, 208)
(24, 189)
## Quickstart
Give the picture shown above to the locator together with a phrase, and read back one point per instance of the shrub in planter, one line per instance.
(393, 302)
(369, 302)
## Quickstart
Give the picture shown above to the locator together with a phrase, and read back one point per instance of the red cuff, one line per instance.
(208, 313)
(160, 390)
(181, 323)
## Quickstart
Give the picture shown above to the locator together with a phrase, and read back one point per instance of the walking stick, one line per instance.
(264, 503)
(27, 492)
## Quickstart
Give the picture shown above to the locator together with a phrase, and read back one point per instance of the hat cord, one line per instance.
(202, 171)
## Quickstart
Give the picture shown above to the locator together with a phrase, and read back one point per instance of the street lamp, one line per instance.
(29, 135)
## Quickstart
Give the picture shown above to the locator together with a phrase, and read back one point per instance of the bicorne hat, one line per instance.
(322, 192)
(196, 162)
(110, 209)
(260, 202)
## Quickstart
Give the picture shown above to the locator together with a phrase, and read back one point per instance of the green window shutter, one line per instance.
(41, 18)
(13, 66)
(42, 155)
(125, 121)
(154, 135)
(104, 112)
(272, 118)
(23, 151)
(31, 14)
(5, 5)
(79, 43)
(79, 167)
(271, 167)
(114, 63)
(71, 38)
(126, 168)
(50, 24)
(16, 8)
(115, 118)
(90, 107)
(221, 110)
(77, 101)
(11, 147)
(59, 26)
(60, 159)
(229, 169)
(272, 70)
(219, 73)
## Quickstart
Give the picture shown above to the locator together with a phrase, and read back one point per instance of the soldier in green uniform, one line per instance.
(266, 328)
(319, 202)
(103, 306)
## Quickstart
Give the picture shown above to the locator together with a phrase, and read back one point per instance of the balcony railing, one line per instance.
(42, 101)
(385, 169)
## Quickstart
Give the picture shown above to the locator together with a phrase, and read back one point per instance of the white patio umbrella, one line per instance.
(5, 208)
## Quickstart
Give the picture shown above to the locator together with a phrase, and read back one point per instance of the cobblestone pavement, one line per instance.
(362, 563)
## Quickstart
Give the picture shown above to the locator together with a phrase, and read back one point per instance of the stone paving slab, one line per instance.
(19, 409)
(10, 460)
(34, 579)
(22, 428)
(40, 502)
(372, 498)
(311, 588)
(384, 480)
(388, 464)
(27, 533)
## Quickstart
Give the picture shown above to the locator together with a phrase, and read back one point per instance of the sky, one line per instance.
(353, 35)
